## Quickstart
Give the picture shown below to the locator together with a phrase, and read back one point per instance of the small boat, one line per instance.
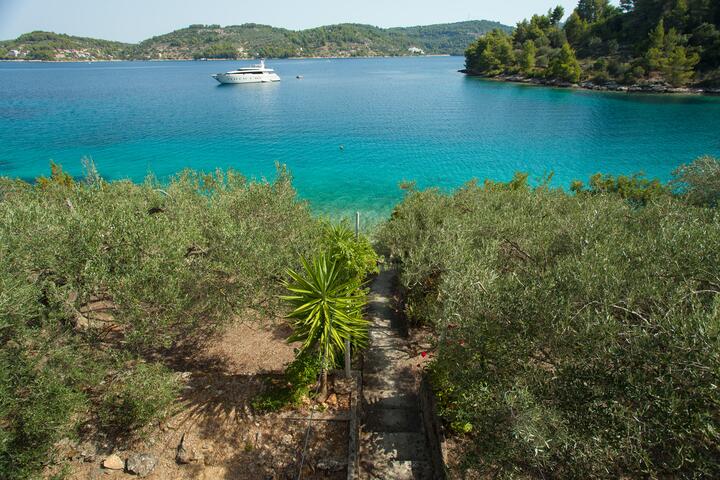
(254, 74)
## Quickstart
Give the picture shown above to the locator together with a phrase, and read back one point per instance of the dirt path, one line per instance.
(392, 440)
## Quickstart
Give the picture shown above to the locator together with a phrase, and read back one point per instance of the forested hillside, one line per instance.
(253, 40)
(54, 46)
(671, 43)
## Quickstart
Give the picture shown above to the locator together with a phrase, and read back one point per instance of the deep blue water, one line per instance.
(397, 118)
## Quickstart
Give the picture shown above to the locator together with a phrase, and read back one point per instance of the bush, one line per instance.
(635, 188)
(136, 397)
(35, 405)
(357, 257)
(299, 376)
(699, 181)
(577, 335)
(96, 276)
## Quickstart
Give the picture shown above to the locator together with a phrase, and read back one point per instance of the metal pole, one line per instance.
(348, 361)
(357, 226)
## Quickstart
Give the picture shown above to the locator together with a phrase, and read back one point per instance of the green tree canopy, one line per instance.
(491, 55)
(564, 65)
(593, 10)
(528, 57)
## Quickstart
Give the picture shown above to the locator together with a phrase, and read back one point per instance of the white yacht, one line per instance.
(255, 74)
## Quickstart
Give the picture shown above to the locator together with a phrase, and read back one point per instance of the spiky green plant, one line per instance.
(327, 310)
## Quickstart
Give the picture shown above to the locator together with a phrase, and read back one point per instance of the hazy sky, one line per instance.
(133, 20)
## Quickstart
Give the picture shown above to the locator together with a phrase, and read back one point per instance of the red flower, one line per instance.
(424, 354)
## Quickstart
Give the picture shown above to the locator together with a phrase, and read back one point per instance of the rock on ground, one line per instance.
(141, 464)
(113, 462)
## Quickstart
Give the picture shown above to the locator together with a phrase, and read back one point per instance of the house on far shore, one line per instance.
(416, 51)
(14, 53)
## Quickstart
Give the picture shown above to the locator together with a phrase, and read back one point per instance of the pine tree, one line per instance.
(667, 54)
(655, 56)
(492, 54)
(592, 10)
(564, 65)
(679, 66)
(528, 57)
(575, 28)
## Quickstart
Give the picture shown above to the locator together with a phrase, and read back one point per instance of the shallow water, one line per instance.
(350, 130)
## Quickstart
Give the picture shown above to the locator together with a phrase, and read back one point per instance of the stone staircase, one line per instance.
(393, 444)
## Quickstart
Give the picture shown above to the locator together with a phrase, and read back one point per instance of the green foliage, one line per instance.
(680, 66)
(299, 376)
(592, 10)
(528, 57)
(564, 66)
(577, 335)
(248, 40)
(635, 188)
(699, 181)
(35, 405)
(491, 54)
(675, 41)
(327, 308)
(575, 28)
(167, 264)
(220, 50)
(48, 46)
(136, 397)
(667, 54)
(251, 39)
(57, 177)
(357, 258)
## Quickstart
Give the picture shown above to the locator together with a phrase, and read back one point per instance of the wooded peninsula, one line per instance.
(642, 45)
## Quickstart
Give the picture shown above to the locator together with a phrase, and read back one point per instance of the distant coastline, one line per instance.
(256, 41)
(121, 60)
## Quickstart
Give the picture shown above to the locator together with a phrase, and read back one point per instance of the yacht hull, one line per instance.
(228, 78)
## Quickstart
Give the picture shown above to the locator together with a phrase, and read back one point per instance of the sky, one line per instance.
(135, 20)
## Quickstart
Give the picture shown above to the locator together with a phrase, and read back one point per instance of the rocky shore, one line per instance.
(649, 87)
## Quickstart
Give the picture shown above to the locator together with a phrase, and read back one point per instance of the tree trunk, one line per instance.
(323, 385)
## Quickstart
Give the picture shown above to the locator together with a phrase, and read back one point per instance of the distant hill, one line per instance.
(254, 40)
(55, 46)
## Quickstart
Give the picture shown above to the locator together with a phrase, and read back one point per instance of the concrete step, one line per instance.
(385, 356)
(393, 369)
(389, 446)
(399, 470)
(385, 338)
(389, 399)
(377, 419)
(388, 381)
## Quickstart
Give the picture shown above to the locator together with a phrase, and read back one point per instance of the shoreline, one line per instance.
(650, 88)
(10, 60)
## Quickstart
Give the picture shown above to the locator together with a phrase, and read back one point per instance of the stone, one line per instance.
(141, 464)
(113, 462)
(343, 385)
(186, 453)
(332, 400)
(331, 465)
(87, 451)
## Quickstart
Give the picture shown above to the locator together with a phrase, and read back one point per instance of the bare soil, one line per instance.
(224, 437)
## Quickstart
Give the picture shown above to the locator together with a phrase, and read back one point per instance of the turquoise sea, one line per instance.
(349, 130)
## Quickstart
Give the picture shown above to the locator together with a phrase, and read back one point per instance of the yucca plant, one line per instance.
(327, 310)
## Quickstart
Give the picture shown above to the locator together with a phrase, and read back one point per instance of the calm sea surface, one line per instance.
(396, 119)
